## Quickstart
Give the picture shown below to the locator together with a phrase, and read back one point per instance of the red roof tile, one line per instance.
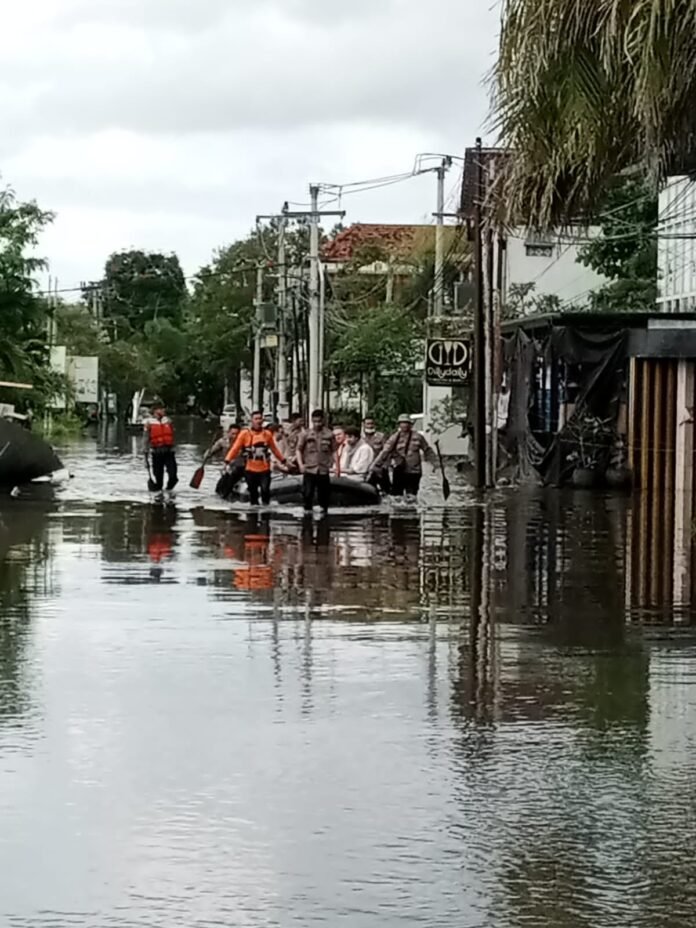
(396, 240)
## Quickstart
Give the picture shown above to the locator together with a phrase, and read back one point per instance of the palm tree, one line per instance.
(585, 89)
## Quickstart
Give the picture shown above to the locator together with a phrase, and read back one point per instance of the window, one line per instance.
(538, 250)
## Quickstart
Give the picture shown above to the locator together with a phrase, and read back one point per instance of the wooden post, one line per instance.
(684, 482)
(633, 418)
(656, 483)
(645, 431)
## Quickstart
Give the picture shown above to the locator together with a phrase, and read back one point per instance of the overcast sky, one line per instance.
(169, 124)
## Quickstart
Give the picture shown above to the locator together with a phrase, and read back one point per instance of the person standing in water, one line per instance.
(379, 476)
(316, 451)
(405, 450)
(159, 444)
(256, 444)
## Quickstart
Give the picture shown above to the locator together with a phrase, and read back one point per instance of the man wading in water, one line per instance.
(404, 449)
(315, 456)
(256, 444)
(159, 444)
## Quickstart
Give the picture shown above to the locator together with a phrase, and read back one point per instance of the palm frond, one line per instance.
(586, 88)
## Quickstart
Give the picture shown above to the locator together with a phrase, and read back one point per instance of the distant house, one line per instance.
(548, 260)
(394, 252)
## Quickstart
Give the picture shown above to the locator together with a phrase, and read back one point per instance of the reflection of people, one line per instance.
(160, 538)
(256, 444)
(405, 448)
(315, 454)
(257, 572)
(159, 442)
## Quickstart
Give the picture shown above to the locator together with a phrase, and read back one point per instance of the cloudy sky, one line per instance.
(169, 124)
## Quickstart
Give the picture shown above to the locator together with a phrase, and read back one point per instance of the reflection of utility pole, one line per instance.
(479, 330)
(256, 377)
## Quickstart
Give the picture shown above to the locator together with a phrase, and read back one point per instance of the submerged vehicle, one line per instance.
(287, 489)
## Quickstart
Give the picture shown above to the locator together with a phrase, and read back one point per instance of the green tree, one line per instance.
(626, 249)
(585, 90)
(77, 329)
(140, 287)
(375, 353)
(24, 315)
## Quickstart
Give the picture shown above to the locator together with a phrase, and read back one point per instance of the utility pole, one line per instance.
(479, 330)
(282, 357)
(322, 332)
(439, 272)
(439, 284)
(256, 377)
(314, 388)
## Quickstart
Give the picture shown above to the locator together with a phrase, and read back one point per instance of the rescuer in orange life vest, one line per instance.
(256, 444)
(159, 442)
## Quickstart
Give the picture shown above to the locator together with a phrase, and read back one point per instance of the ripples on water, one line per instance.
(455, 716)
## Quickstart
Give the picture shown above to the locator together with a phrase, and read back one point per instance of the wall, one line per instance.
(559, 273)
(676, 254)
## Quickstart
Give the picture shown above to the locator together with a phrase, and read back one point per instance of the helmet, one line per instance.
(404, 418)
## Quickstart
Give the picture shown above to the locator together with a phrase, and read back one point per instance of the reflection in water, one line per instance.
(445, 717)
(24, 572)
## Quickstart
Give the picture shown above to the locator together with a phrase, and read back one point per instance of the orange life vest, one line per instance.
(161, 433)
(256, 447)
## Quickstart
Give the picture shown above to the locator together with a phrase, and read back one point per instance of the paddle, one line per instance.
(197, 478)
(151, 485)
(445, 482)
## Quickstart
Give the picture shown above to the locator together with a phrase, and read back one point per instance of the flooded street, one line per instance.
(456, 716)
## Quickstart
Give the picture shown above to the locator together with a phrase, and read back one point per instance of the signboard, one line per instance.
(448, 362)
(84, 376)
(269, 341)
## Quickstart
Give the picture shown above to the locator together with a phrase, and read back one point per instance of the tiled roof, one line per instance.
(396, 240)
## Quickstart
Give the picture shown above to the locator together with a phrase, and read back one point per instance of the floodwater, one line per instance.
(456, 716)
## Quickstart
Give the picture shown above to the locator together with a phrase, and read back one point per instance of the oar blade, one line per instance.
(197, 478)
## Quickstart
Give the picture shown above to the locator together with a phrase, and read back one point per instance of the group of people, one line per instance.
(393, 464)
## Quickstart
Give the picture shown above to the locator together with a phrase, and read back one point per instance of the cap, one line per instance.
(404, 418)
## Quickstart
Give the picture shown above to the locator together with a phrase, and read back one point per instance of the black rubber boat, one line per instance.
(288, 490)
(23, 456)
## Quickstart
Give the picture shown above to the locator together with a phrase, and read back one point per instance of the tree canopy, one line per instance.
(583, 91)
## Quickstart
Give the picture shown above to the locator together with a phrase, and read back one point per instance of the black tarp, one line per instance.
(23, 456)
(598, 356)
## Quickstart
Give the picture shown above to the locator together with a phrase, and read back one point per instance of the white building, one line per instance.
(676, 246)
(550, 261)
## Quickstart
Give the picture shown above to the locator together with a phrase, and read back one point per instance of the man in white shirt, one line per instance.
(356, 457)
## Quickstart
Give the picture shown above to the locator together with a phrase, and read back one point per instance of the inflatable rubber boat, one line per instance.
(287, 490)
(23, 456)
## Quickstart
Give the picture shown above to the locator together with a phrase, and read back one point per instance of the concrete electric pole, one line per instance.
(315, 316)
(439, 282)
(256, 377)
(282, 355)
